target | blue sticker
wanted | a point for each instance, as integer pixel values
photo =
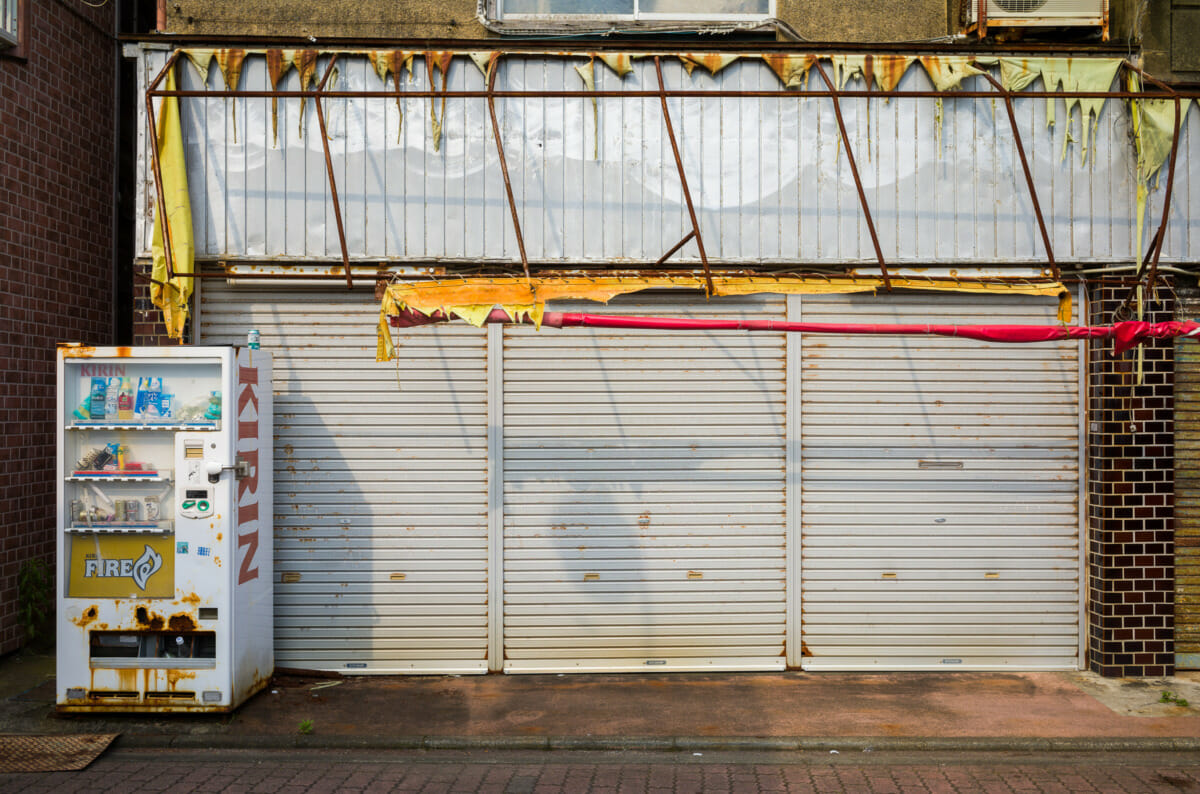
(181, 547)
(203, 551)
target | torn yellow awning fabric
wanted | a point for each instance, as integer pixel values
(172, 295)
(473, 299)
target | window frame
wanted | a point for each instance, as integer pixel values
(13, 44)
(498, 14)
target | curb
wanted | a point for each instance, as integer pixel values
(658, 744)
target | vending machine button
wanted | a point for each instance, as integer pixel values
(189, 504)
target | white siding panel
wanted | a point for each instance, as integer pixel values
(769, 176)
(643, 495)
(940, 483)
(381, 482)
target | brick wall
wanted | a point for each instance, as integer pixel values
(56, 257)
(1130, 499)
(148, 328)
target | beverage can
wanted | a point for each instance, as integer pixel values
(118, 510)
(151, 511)
(252, 339)
(133, 510)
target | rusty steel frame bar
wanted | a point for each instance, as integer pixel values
(1157, 241)
(676, 247)
(1019, 143)
(153, 92)
(576, 273)
(156, 165)
(687, 193)
(672, 93)
(862, 195)
(508, 191)
(333, 193)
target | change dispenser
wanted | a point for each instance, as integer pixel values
(164, 528)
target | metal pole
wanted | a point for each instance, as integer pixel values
(157, 167)
(676, 247)
(862, 196)
(1037, 207)
(337, 207)
(687, 194)
(512, 203)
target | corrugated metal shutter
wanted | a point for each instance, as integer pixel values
(1187, 497)
(644, 494)
(940, 487)
(380, 482)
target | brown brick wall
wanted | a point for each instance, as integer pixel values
(148, 328)
(1131, 499)
(56, 258)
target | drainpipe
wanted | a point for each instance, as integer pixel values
(115, 231)
(160, 18)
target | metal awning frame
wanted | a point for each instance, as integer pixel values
(1147, 272)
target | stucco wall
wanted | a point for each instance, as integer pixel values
(346, 19)
(817, 20)
(867, 20)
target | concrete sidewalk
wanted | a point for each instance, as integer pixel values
(742, 711)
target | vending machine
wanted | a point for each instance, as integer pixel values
(164, 528)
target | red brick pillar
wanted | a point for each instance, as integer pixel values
(1130, 570)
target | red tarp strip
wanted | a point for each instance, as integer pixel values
(1126, 334)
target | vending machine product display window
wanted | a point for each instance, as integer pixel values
(164, 537)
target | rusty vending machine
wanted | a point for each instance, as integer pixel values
(164, 530)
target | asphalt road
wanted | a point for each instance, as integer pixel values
(138, 770)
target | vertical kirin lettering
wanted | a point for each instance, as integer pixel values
(247, 487)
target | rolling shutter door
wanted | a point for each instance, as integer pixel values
(1187, 496)
(380, 482)
(940, 487)
(644, 494)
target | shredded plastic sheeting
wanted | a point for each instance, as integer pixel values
(202, 60)
(1069, 74)
(473, 299)
(792, 70)
(1153, 122)
(485, 60)
(394, 62)
(713, 62)
(172, 295)
(619, 62)
(947, 72)
(278, 64)
(587, 73)
(441, 62)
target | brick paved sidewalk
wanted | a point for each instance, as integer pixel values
(617, 773)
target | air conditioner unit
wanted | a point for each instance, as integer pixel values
(983, 14)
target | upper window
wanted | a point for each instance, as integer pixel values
(697, 11)
(9, 18)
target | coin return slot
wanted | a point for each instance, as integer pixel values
(208, 613)
(110, 648)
